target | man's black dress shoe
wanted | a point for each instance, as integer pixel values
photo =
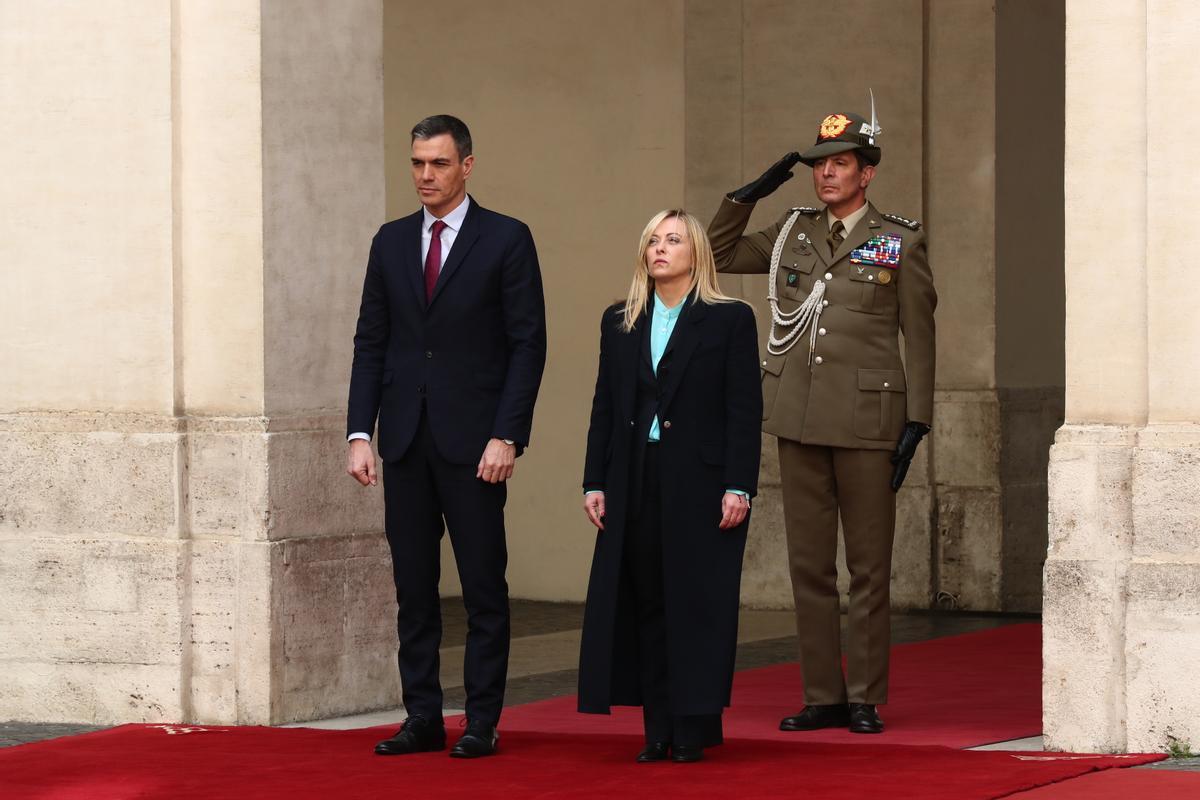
(687, 753)
(416, 735)
(816, 717)
(864, 718)
(654, 751)
(479, 740)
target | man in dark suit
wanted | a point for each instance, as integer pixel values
(448, 354)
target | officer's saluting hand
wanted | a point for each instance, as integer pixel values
(776, 175)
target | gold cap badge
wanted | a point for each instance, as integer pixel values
(834, 125)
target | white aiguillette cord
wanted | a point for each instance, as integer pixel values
(795, 322)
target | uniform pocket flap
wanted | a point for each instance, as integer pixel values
(773, 364)
(803, 260)
(881, 380)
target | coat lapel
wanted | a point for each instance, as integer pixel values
(463, 242)
(642, 328)
(636, 347)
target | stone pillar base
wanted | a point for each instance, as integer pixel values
(210, 570)
(1122, 587)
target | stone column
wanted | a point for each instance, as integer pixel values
(1122, 618)
(189, 205)
(960, 144)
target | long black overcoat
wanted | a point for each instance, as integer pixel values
(710, 408)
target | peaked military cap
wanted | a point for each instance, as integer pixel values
(839, 133)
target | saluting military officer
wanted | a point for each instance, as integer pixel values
(845, 281)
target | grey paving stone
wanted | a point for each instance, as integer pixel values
(1178, 764)
(14, 733)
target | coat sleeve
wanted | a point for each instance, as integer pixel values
(525, 329)
(733, 251)
(743, 404)
(370, 348)
(918, 299)
(600, 428)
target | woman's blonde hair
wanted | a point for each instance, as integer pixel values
(704, 269)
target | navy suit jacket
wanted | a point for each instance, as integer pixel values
(472, 357)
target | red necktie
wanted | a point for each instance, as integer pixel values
(433, 259)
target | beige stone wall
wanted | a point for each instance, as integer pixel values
(184, 224)
(582, 141)
(78, 161)
(1121, 632)
(684, 104)
(1029, 306)
(176, 537)
(89, 557)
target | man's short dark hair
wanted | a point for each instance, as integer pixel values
(861, 159)
(444, 123)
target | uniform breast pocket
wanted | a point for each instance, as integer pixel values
(793, 277)
(879, 408)
(877, 288)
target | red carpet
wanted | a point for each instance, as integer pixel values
(298, 764)
(1120, 784)
(958, 691)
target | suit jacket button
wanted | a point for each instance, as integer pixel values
(666, 423)
(818, 360)
(429, 354)
(828, 276)
(632, 423)
(421, 389)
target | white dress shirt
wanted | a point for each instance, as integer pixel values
(454, 222)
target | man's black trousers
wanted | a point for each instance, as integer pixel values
(422, 491)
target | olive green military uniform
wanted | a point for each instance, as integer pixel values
(837, 399)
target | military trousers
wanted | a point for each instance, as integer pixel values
(819, 483)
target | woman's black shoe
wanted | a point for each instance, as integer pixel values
(687, 753)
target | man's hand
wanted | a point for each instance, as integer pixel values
(734, 508)
(361, 462)
(776, 175)
(593, 506)
(906, 448)
(497, 462)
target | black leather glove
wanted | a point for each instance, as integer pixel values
(906, 448)
(776, 175)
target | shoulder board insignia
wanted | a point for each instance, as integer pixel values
(807, 210)
(908, 223)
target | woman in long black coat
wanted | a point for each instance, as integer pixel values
(672, 462)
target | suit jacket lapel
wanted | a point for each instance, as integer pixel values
(462, 245)
(411, 257)
(683, 342)
(863, 231)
